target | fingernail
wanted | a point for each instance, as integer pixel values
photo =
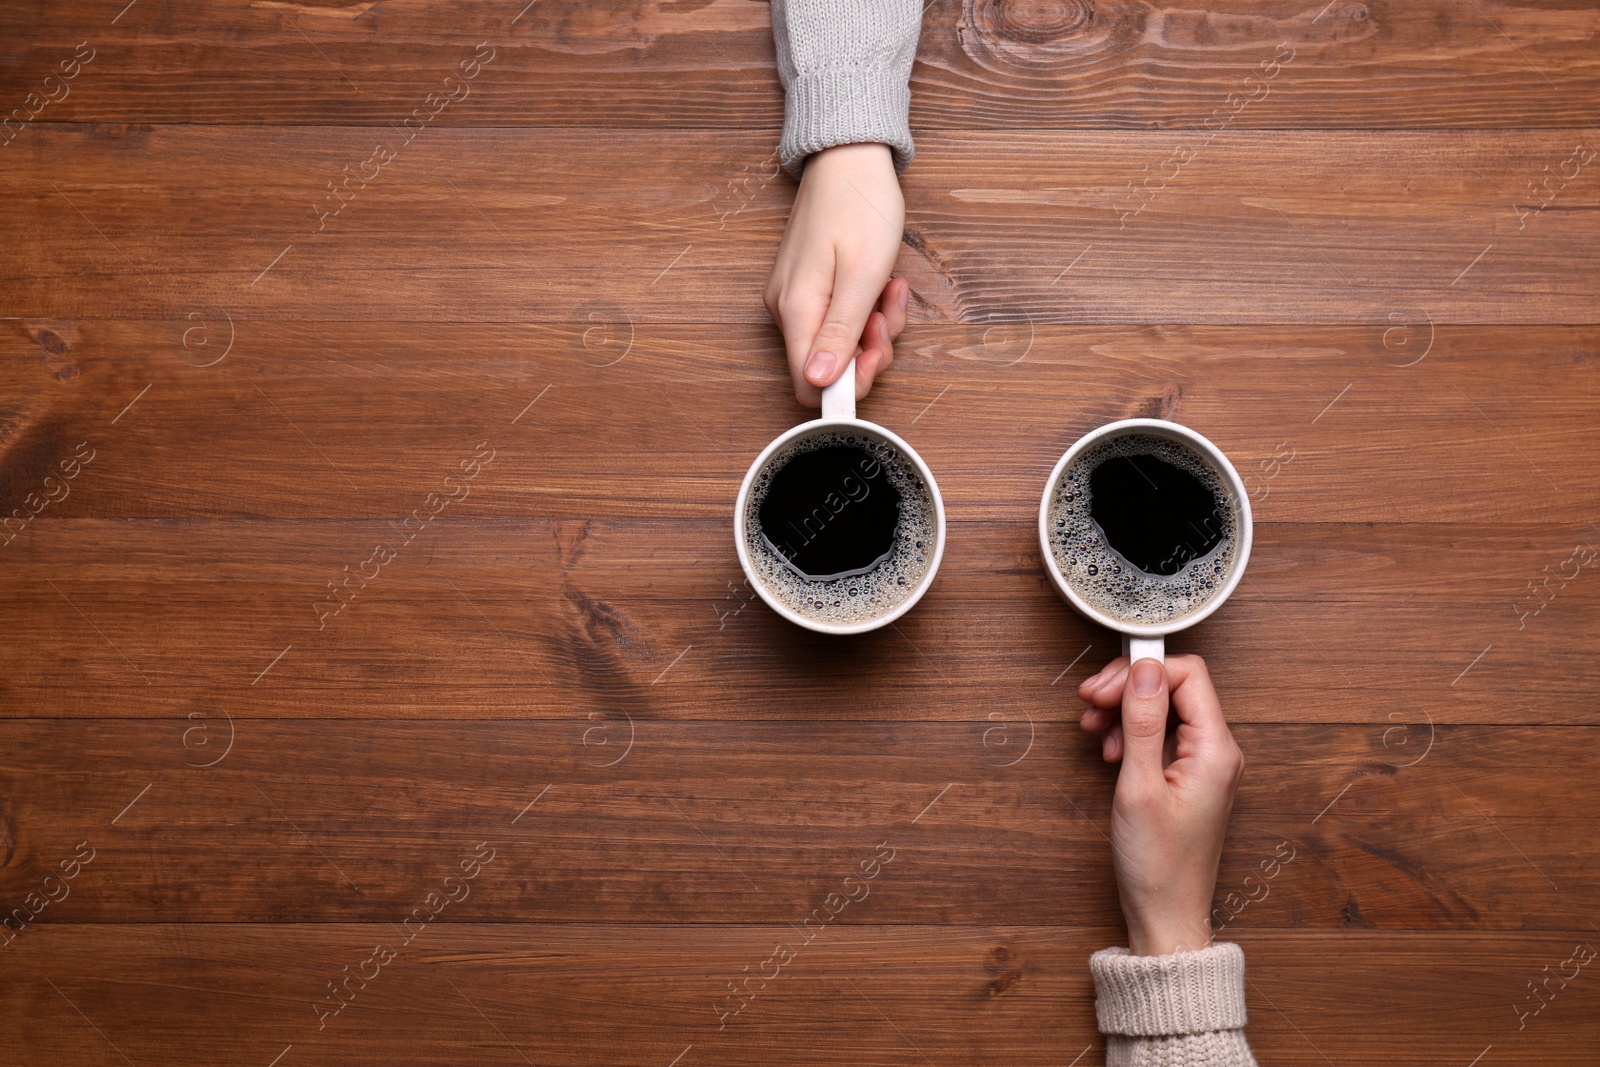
(1147, 678)
(821, 365)
(905, 297)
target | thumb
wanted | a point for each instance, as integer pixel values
(854, 296)
(1144, 720)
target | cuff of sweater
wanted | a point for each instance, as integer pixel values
(1180, 993)
(849, 106)
(1221, 1048)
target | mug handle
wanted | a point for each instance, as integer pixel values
(1138, 648)
(839, 399)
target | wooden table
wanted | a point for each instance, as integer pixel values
(379, 683)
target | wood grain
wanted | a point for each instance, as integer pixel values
(593, 550)
(516, 619)
(604, 818)
(982, 63)
(872, 994)
(395, 407)
(553, 225)
(1353, 244)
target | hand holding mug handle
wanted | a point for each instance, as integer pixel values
(1175, 789)
(839, 399)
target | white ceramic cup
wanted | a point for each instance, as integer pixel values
(1148, 640)
(838, 413)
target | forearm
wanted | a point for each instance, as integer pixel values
(846, 73)
(1165, 1011)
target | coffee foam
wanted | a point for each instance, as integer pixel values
(1101, 575)
(863, 597)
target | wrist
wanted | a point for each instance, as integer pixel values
(1162, 935)
(865, 155)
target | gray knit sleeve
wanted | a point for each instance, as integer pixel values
(846, 72)
(1181, 1010)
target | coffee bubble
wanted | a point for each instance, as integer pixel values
(1101, 575)
(855, 598)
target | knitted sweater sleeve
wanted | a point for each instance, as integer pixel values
(1181, 1010)
(846, 72)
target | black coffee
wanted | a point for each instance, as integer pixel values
(840, 527)
(831, 513)
(1143, 528)
(1158, 516)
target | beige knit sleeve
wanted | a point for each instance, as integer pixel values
(846, 72)
(1181, 1010)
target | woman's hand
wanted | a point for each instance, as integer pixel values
(831, 293)
(1174, 792)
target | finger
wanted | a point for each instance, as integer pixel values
(1091, 683)
(877, 336)
(854, 294)
(876, 355)
(894, 304)
(868, 364)
(801, 308)
(1099, 720)
(1202, 740)
(1108, 694)
(1193, 696)
(1144, 721)
(1111, 748)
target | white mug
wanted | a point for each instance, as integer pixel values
(838, 413)
(1148, 640)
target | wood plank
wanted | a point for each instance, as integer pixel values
(1390, 826)
(1430, 64)
(1313, 416)
(513, 994)
(495, 224)
(525, 618)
